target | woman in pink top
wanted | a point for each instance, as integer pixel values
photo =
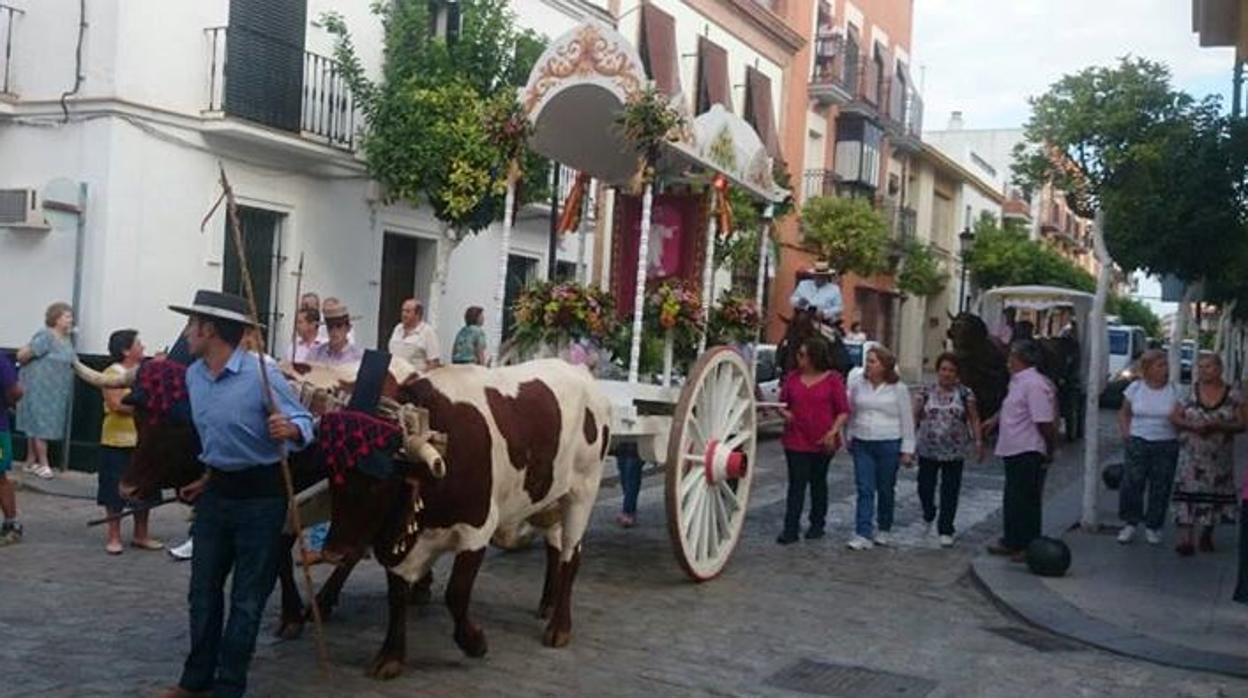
(814, 414)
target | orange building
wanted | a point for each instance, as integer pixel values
(851, 124)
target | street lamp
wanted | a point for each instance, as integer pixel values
(965, 238)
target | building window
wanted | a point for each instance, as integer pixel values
(858, 144)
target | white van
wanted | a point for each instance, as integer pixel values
(1126, 343)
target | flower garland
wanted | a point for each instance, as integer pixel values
(677, 306)
(736, 319)
(557, 314)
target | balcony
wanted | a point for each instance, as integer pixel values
(845, 78)
(902, 220)
(8, 16)
(904, 118)
(818, 183)
(279, 86)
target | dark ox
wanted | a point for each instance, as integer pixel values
(524, 443)
(981, 362)
(165, 457)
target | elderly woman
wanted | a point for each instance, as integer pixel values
(47, 376)
(881, 427)
(470, 341)
(1152, 449)
(1204, 490)
(948, 419)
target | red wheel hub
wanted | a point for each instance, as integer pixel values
(722, 463)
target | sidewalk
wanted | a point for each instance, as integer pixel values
(1138, 600)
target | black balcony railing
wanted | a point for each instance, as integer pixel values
(281, 86)
(902, 220)
(8, 15)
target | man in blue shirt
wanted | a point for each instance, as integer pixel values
(240, 506)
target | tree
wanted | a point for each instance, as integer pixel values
(1001, 257)
(1133, 312)
(848, 233)
(921, 273)
(439, 125)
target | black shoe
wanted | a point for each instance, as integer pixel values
(814, 533)
(786, 538)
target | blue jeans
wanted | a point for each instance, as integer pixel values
(238, 536)
(875, 477)
(1149, 464)
(629, 464)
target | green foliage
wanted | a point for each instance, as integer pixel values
(1134, 312)
(921, 273)
(847, 232)
(1007, 258)
(556, 314)
(649, 120)
(442, 124)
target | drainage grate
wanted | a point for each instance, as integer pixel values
(1039, 641)
(844, 681)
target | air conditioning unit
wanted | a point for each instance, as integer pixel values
(19, 210)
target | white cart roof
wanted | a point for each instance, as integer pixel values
(995, 300)
(582, 82)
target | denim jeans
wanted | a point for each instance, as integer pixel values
(950, 474)
(629, 464)
(875, 477)
(1022, 504)
(806, 469)
(1149, 464)
(238, 536)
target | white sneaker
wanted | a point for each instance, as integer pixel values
(929, 527)
(946, 541)
(1153, 536)
(43, 472)
(184, 551)
(883, 539)
(1127, 534)
(860, 543)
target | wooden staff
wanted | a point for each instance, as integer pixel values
(294, 321)
(236, 231)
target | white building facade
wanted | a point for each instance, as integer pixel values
(126, 166)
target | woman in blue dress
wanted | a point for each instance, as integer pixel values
(47, 376)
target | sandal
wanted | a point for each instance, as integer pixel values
(113, 548)
(626, 520)
(147, 544)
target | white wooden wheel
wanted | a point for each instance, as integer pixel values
(710, 462)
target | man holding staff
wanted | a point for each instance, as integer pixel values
(240, 504)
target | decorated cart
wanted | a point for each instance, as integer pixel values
(666, 210)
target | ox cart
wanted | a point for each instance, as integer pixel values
(699, 423)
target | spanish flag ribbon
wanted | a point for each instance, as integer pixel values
(570, 220)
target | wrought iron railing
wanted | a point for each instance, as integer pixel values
(327, 109)
(8, 15)
(818, 183)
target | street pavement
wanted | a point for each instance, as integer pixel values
(808, 619)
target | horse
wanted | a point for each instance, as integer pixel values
(981, 361)
(803, 325)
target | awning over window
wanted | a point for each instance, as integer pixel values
(759, 112)
(657, 45)
(713, 84)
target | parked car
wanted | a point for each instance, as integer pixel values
(1126, 344)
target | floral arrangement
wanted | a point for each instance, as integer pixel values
(735, 319)
(675, 305)
(557, 314)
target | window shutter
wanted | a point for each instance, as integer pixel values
(265, 61)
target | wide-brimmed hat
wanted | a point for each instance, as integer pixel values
(336, 311)
(821, 268)
(215, 304)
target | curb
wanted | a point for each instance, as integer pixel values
(1026, 597)
(63, 485)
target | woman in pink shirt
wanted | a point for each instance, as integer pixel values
(814, 414)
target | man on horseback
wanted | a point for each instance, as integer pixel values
(817, 292)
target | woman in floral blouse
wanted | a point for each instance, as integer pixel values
(948, 423)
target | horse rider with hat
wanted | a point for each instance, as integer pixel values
(819, 293)
(240, 506)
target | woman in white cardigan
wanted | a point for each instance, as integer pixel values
(882, 431)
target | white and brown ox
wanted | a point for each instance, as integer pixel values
(523, 444)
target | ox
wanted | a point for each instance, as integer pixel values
(165, 457)
(523, 444)
(981, 362)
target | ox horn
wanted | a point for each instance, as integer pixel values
(952, 317)
(99, 380)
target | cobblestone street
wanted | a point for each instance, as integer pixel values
(76, 622)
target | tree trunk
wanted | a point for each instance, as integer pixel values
(447, 243)
(1179, 330)
(504, 252)
(1096, 334)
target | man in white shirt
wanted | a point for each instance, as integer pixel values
(322, 335)
(414, 339)
(819, 292)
